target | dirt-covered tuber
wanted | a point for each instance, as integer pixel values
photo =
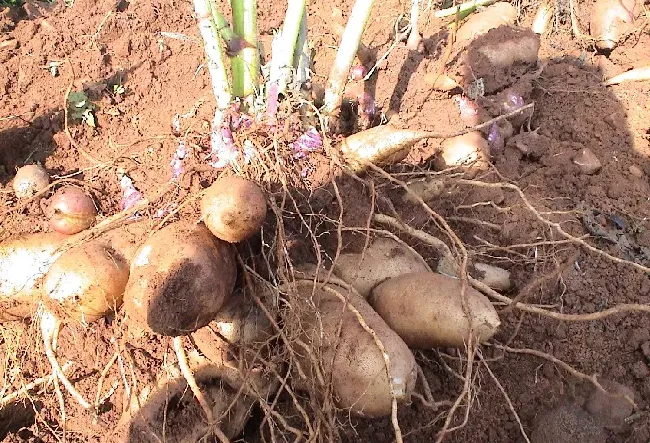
(426, 310)
(179, 279)
(233, 209)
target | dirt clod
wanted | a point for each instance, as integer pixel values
(568, 423)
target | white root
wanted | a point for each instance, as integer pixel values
(191, 381)
(633, 75)
(50, 327)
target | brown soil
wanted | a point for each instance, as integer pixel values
(110, 43)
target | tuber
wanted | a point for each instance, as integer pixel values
(426, 310)
(179, 279)
(233, 209)
(385, 258)
(350, 357)
(30, 180)
(71, 210)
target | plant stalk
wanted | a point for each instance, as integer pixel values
(246, 64)
(284, 47)
(216, 66)
(463, 7)
(301, 58)
(223, 27)
(345, 55)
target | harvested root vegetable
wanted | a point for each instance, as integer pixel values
(349, 355)
(610, 20)
(633, 75)
(71, 210)
(169, 412)
(385, 258)
(87, 282)
(426, 310)
(498, 14)
(24, 261)
(233, 209)
(381, 145)
(235, 341)
(179, 279)
(30, 180)
(440, 82)
(466, 149)
(126, 239)
(542, 18)
(493, 276)
(427, 189)
(496, 59)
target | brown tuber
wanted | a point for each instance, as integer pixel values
(233, 209)
(87, 282)
(350, 357)
(426, 310)
(610, 20)
(180, 278)
(385, 258)
(498, 14)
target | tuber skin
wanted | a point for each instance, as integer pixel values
(179, 280)
(385, 258)
(426, 310)
(610, 20)
(498, 14)
(30, 180)
(71, 210)
(233, 209)
(24, 261)
(87, 282)
(349, 355)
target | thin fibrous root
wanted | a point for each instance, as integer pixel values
(50, 327)
(556, 226)
(191, 381)
(9, 398)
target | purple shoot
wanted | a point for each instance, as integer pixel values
(495, 140)
(130, 195)
(177, 161)
(512, 102)
(468, 110)
(308, 142)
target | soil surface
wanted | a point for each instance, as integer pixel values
(142, 64)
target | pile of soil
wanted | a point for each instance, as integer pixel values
(153, 50)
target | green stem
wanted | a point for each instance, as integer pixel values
(216, 66)
(284, 47)
(246, 64)
(345, 55)
(301, 57)
(464, 7)
(226, 33)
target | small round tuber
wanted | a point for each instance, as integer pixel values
(233, 209)
(466, 149)
(71, 210)
(29, 180)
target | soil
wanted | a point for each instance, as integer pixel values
(109, 44)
